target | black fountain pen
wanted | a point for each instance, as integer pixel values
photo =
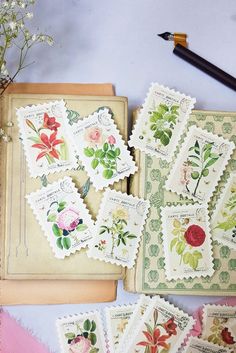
(183, 52)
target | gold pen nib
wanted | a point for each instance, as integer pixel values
(178, 38)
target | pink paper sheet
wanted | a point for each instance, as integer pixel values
(16, 339)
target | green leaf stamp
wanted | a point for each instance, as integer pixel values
(161, 121)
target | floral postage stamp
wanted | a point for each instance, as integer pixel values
(198, 345)
(186, 241)
(199, 164)
(224, 220)
(141, 307)
(117, 318)
(101, 149)
(119, 227)
(47, 146)
(63, 216)
(215, 321)
(161, 121)
(162, 328)
(82, 333)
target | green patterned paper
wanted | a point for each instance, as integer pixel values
(149, 275)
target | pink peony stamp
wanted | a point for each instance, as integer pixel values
(45, 139)
(186, 241)
(63, 216)
(82, 333)
(101, 149)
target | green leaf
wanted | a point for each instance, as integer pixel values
(214, 155)
(94, 350)
(193, 262)
(56, 230)
(59, 243)
(93, 338)
(186, 257)
(205, 172)
(52, 217)
(163, 108)
(105, 147)
(193, 164)
(94, 163)
(153, 127)
(66, 243)
(117, 151)
(197, 254)
(174, 109)
(206, 154)
(87, 325)
(180, 247)
(107, 173)
(195, 175)
(61, 206)
(111, 154)
(131, 236)
(70, 335)
(64, 151)
(194, 156)
(158, 134)
(155, 116)
(210, 162)
(229, 224)
(173, 243)
(123, 241)
(208, 146)
(149, 328)
(93, 326)
(35, 139)
(165, 139)
(89, 152)
(98, 153)
(81, 227)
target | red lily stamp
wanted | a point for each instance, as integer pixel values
(63, 217)
(45, 139)
(198, 345)
(101, 149)
(216, 319)
(82, 333)
(186, 241)
(119, 227)
(162, 329)
(199, 165)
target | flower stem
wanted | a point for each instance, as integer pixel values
(196, 187)
(49, 159)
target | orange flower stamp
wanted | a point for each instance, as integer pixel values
(45, 139)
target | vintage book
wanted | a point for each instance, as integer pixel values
(148, 275)
(27, 261)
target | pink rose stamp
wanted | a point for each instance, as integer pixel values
(82, 333)
(63, 217)
(186, 241)
(101, 149)
(47, 145)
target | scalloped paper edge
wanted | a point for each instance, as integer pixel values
(113, 308)
(166, 250)
(121, 143)
(41, 223)
(143, 301)
(67, 319)
(22, 134)
(216, 348)
(219, 204)
(162, 301)
(216, 307)
(132, 143)
(99, 216)
(183, 146)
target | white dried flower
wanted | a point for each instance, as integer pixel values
(13, 4)
(50, 41)
(29, 15)
(34, 37)
(12, 25)
(5, 4)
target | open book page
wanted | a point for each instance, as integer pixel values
(148, 275)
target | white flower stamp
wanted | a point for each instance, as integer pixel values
(197, 345)
(63, 217)
(81, 333)
(47, 146)
(101, 149)
(199, 165)
(162, 328)
(216, 319)
(117, 318)
(186, 241)
(119, 227)
(161, 121)
(224, 220)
